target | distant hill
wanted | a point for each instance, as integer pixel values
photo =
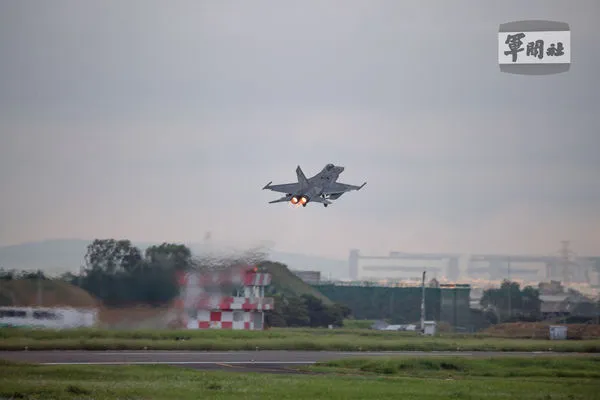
(67, 255)
(54, 293)
(52, 256)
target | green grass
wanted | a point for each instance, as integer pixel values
(468, 379)
(358, 323)
(274, 339)
(443, 367)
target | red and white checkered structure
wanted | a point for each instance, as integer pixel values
(202, 303)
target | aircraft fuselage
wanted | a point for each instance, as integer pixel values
(320, 188)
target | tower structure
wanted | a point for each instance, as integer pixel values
(207, 300)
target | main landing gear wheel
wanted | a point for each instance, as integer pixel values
(325, 205)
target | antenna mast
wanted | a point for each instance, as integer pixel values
(423, 303)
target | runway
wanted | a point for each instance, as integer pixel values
(246, 361)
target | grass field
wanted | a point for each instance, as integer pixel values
(274, 339)
(584, 367)
(564, 379)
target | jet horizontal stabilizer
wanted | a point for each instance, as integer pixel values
(281, 200)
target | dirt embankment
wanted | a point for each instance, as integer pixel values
(55, 293)
(137, 317)
(44, 293)
(541, 330)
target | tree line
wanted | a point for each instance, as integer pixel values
(119, 274)
(511, 303)
(305, 311)
(13, 274)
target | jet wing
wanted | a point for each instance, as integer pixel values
(284, 188)
(341, 188)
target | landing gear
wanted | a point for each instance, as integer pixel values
(325, 205)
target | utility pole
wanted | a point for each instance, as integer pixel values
(423, 304)
(39, 288)
(509, 291)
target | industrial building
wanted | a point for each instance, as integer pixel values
(556, 301)
(310, 277)
(48, 317)
(564, 266)
(402, 266)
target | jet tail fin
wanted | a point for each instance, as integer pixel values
(301, 177)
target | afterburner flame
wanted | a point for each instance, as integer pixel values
(303, 200)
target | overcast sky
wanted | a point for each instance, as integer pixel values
(160, 121)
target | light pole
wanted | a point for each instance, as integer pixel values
(423, 304)
(509, 292)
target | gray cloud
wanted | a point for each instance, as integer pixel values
(159, 123)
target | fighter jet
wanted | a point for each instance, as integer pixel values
(320, 188)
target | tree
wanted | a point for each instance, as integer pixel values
(337, 313)
(112, 256)
(39, 274)
(175, 256)
(510, 302)
(108, 271)
(305, 310)
(343, 309)
(14, 274)
(7, 275)
(295, 312)
(316, 310)
(530, 302)
(321, 315)
(116, 272)
(276, 317)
